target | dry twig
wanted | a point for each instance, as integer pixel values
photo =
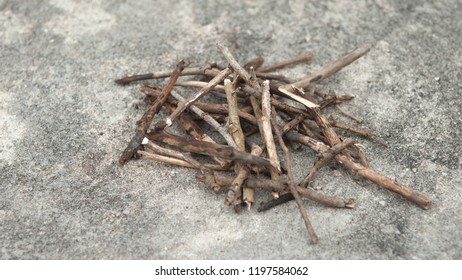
(256, 102)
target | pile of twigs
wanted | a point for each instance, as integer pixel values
(271, 105)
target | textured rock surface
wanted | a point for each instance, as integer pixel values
(64, 123)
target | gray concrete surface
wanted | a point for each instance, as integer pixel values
(64, 123)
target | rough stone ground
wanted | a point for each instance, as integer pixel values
(64, 123)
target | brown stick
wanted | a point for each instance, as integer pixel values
(294, 122)
(264, 126)
(348, 115)
(267, 135)
(385, 182)
(327, 200)
(324, 125)
(206, 117)
(234, 191)
(326, 157)
(179, 162)
(322, 74)
(268, 76)
(237, 67)
(206, 148)
(186, 123)
(361, 131)
(365, 172)
(206, 70)
(170, 153)
(234, 127)
(217, 180)
(332, 68)
(306, 57)
(206, 107)
(255, 63)
(198, 84)
(362, 156)
(185, 104)
(238, 136)
(145, 121)
(226, 180)
(291, 183)
(290, 93)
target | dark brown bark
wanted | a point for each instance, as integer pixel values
(145, 122)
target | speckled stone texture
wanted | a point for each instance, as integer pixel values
(64, 122)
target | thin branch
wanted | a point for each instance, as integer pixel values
(290, 93)
(233, 117)
(145, 122)
(291, 183)
(326, 157)
(206, 117)
(327, 200)
(186, 103)
(348, 115)
(206, 148)
(180, 162)
(361, 131)
(267, 135)
(332, 68)
(170, 153)
(324, 125)
(234, 191)
(294, 122)
(235, 129)
(306, 57)
(277, 77)
(237, 67)
(199, 84)
(365, 172)
(206, 107)
(207, 70)
(217, 180)
(225, 180)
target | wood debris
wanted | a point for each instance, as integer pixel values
(261, 113)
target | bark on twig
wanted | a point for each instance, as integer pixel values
(225, 180)
(294, 122)
(291, 183)
(256, 101)
(234, 192)
(170, 153)
(361, 131)
(327, 200)
(267, 134)
(331, 68)
(348, 115)
(186, 103)
(145, 121)
(306, 57)
(206, 117)
(206, 148)
(365, 172)
(207, 70)
(326, 157)
(180, 162)
(221, 180)
(237, 67)
(234, 127)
